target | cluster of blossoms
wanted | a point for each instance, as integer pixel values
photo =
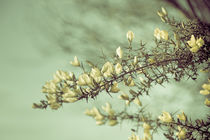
(206, 91)
(167, 118)
(103, 118)
(195, 44)
(128, 100)
(146, 136)
(160, 34)
(137, 69)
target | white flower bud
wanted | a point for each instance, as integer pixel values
(119, 52)
(130, 36)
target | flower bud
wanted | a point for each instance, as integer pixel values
(130, 36)
(164, 11)
(76, 62)
(119, 52)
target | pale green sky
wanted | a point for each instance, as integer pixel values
(35, 42)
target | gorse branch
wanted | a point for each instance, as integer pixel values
(174, 57)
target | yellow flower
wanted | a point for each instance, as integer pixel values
(108, 109)
(160, 34)
(151, 61)
(206, 86)
(113, 122)
(207, 102)
(195, 44)
(192, 41)
(118, 68)
(182, 116)
(124, 96)
(194, 49)
(130, 36)
(96, 74)
(84, 80)
(75, 62)
(146, 126)
(137, 101)
(200, 42)
(157, 33)
(181, 134)
(134, 137)
(50, 87)
(69, 96)
(89, 112)
(164, 34)
(97, 115)
(114, 88)
(61, 75)
(130, 82)
(52, 100)
(165, 117)
(100, 122)
(119, 52)
(107, 69)
(204, 92)
(127, 102)
(55, 105)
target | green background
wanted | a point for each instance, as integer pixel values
(38, 37)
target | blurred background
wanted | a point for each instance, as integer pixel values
(38, 37)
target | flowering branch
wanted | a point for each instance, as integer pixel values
(139, 69)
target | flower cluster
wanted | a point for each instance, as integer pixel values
(160, 34)
(138, 69)
(128, 100)
(195, 44)
(103, 118)
(206, 91)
